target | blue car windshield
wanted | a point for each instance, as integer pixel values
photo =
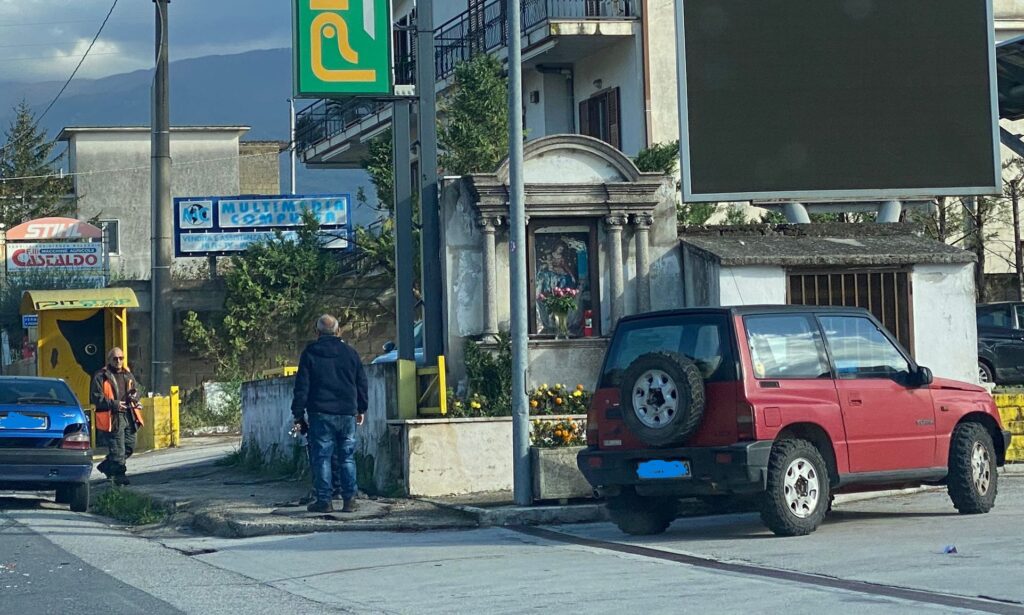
(36, 392)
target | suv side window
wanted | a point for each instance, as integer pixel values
(860, 350)
(995, 317)
(785, 346)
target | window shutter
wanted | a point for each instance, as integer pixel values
(614, 125)
(585, 117)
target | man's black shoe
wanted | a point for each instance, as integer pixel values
(121, 480)
(104, 468)
(350, 505)
(320, 507)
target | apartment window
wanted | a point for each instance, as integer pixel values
(600, 117)
(885, 293)
(563, 254)
(111, 235)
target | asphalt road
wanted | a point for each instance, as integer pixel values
(875, 556)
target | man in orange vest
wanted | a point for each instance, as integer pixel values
(114, 393)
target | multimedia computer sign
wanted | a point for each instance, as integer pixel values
(837, 99)
(221, 225)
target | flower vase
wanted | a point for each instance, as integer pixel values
(561, 324)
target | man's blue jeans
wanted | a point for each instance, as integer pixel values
(327, 431)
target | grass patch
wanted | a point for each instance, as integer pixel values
(128, 506)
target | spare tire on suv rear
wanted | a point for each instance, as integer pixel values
(662, 398)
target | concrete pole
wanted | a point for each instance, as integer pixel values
(889, 212)
(521, 479)
(292, 146)
(796, 213)
(405, 301)
(430, 213)
(162, 247)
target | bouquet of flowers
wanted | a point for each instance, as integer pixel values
(560, 300)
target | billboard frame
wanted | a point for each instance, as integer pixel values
(216, 229)
(688, 196)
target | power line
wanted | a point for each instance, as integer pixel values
(73, 73)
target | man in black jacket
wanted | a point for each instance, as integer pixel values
(330, 388)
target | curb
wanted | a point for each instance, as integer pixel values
(502, 516)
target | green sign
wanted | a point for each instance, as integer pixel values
(341, 47)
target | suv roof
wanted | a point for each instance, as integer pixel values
(744, 310)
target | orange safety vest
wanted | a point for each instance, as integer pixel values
(104, 418)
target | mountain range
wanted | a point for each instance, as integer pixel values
(249, 89)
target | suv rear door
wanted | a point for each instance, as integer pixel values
(889, 424)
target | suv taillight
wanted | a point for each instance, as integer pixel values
(78, 440)
(745, 421)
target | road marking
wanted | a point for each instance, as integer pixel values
(873, 589)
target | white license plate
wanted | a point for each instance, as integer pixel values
(17, 420)
(660, 469)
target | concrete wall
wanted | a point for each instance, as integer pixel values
(661, 36)
(752, 286)
(259, 167)
(205, 163)
(945, 332)
(266, 419)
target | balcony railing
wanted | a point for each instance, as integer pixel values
(457, 40)
(486, 30)
(326, 118)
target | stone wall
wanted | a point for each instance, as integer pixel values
(259, 167)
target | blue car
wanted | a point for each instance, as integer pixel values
(391, 351)
(44, 440)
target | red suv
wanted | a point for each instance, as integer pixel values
(787, 404)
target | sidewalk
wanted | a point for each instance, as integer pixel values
(217, 500)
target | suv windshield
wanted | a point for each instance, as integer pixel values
(36, 392)
(702, 338)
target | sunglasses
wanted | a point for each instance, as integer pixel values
(117, 358)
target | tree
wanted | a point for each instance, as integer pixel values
(473, 137)
(29, 189)
(664, 158)
(274, 291)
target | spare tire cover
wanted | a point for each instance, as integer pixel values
(662, 398)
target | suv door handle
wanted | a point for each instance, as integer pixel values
(854, 399)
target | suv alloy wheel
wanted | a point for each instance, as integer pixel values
(972, 481)
(798, 491)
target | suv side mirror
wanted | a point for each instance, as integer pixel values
(389, 346)
(922, 376)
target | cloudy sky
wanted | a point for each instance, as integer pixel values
(42, 40)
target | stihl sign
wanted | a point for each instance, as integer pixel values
(54, 228)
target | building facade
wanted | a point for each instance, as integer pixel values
(111, 171)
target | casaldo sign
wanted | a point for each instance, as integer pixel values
(54, 228)
(23, 258)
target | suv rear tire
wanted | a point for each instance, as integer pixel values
(640, 516)
(662, 398)
(798, 491)
(973, 479)
(79, 497)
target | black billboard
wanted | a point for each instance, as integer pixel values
(830, 99)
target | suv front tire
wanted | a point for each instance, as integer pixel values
(973, 477)
(797, 495)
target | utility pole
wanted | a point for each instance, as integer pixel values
(292, 147)
(161, 310)
(521, 481)
(404, 301)
(430, 214)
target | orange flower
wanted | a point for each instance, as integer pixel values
(558, 401)
(533, 403)
(579, 387)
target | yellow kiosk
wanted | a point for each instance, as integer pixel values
(76, 329)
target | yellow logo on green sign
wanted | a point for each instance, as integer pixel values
(342, 47)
